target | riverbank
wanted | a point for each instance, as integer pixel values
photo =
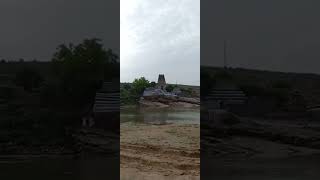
(169, 151)
(253, 138)
(252, 148)
(77, 141)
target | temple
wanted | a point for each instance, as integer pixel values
(161, 82)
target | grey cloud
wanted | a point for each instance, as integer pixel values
(34, 28)
(166, 40)
(273, 35)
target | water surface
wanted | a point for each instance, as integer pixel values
(161, 116)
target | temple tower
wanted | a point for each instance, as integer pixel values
(161, 82)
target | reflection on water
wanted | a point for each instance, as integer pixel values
(160, 116)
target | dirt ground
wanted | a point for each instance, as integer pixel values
(160, 152)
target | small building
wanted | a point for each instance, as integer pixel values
(151, 91)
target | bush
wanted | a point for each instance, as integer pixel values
(170, 87)
(131, 94)
(153, 84)
(81, 69)
(139, 85)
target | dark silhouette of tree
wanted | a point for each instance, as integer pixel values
(82, 68)
(139, 85)
(126, 87)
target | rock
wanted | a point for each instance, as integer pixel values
(184, 104)
(189, 100)
(169, 101)
(147, 103)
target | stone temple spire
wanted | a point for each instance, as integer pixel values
(161, 82)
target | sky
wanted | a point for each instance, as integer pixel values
(34, 28)
(160, 37)
(270, 35)
(163, 37)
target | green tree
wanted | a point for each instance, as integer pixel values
(139, 85)
(153, 84)
(126, 87)
(131, 94)
(81, 69)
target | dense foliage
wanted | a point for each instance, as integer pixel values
(130, 94)
(81, 69)
(65, 90)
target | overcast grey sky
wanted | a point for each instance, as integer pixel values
(281, 35)
(34, 28)
(160, 37)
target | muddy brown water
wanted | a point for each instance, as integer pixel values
(161, 116)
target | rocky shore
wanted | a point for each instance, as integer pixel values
(79, 140)
(169, 101)
(252, 138)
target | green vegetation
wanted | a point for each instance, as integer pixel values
(274, 86)
(170, 87)
(80, 71)
(50, 97)
(130, 94)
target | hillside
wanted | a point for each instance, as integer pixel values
(307, 84)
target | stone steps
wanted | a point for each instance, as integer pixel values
(107, 99)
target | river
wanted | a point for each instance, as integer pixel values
(161, 116)
(90, 166)
(96, 167)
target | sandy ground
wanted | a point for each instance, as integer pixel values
(160, 152)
